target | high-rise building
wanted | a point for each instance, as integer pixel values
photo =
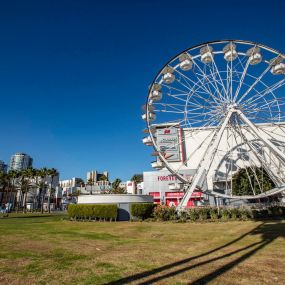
(3, 166)
(20, 161)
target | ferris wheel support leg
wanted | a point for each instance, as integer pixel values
(205, 164)
(262, 136)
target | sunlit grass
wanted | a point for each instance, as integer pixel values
(53, 250)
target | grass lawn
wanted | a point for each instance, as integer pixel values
(52, 250)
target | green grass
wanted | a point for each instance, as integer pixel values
(50, 249)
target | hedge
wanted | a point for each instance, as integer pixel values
(165, 213)
(142, 210)
(93, 212)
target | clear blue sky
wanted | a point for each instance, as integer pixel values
(74, 74)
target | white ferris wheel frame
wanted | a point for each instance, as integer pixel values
(207, 159)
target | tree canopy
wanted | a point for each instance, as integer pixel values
(251, 179)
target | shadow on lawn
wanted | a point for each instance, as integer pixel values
(269, 231)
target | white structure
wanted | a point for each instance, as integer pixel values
(228, 113)
(123, 202)
(131, 187)
(70, 186)
(94, 176)
(114, 199)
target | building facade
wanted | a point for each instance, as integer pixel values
(20, 161)
(186, 148)
(94, 176)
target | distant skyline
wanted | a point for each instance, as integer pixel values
(74, 74)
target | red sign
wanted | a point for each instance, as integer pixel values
(154, 194)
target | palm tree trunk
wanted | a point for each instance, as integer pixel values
(25, 202)
(49, 201)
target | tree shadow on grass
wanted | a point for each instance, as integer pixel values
(269, 231)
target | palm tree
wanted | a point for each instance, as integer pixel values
(13, 176)
(103, 177)
(52, 172)
(27, 177)
(137, 178)
(42, 174)
(116, 183)
(4, 186)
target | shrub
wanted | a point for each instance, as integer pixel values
(213, 213)
(202, 213)
(245, 214)
(93, 211)
(142, 210)
(164, 213)
(183, 216)
(172, 213)
(275, 211)
(259, 213)
(193, 214)
(225, 214)
(234, 213)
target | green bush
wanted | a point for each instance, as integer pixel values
(142, 210)
(213, 211)
(92, 211)
(164, 213)
(183, 216)
(193, 214)
(245, 214)
(234, 213)
(225, 214)
(203, 213)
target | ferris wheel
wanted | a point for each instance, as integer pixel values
(223, 104)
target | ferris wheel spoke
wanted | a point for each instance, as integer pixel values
(219, 76)
(275, 104)
(241, 81)
(199, 85)
(254, 84)
(267, 90)
(173, 107)
(205, 77)
(216, 82)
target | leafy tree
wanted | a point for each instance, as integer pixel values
(248, 179)
(80, 181)
(137, 178)
(103, 177)
(90, 182)
(116, 183)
